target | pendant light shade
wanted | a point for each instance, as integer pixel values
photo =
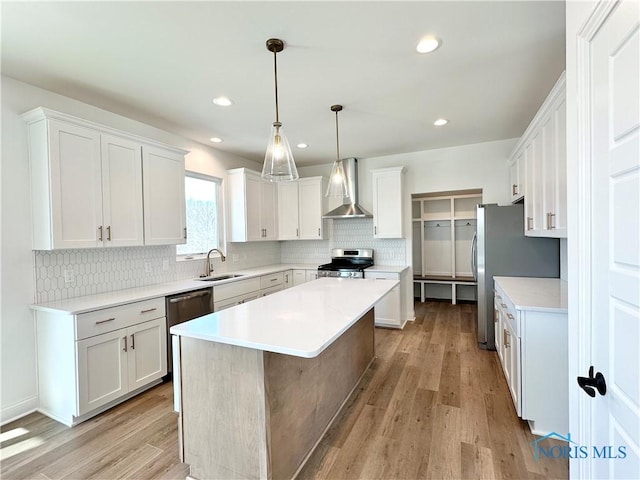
(278, 160)
(338, 186)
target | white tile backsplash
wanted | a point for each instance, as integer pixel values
(102, 270)
(345, 233)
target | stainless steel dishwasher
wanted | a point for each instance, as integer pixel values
(183, 307)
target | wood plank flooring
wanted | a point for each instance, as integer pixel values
(431, 406)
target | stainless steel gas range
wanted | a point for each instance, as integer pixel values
(347, 263)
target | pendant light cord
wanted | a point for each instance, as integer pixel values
(337, 139)
(275, 74)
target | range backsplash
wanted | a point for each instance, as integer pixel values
(101, 270)
(345, 233)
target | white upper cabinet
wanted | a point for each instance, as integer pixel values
(121, 192)
(252, 207)
(542, 148)
(388, 193)
(288, 211)
(87, 184)
(300, 207)
(517, 174)
(164, 201)
(268, 210)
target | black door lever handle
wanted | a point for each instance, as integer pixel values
(588, 383)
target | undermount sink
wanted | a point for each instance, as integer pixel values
(218, 278)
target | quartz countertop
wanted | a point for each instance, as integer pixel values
(301, 321)
(99, 301)
(539, 294)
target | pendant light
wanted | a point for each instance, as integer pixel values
(278, 161)
(338, 186)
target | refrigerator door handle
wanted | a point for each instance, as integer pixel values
(474, 251)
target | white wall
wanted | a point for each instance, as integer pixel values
(18, 391)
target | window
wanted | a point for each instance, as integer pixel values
(202, 194)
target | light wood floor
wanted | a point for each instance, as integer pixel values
(432, 406)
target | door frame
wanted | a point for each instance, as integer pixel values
(579, 266)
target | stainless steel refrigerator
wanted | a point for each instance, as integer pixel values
(501, 249)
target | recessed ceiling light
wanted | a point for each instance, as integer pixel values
(222, 101)
(428, 44)
(302, 145)
(216, 139)
(440, 122)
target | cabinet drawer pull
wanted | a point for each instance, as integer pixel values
(318, 232)
(495, 316)
(510, 316)
(498, 297)
(133, 341)
(109, 233)
(99, 322)
(148, 310)
(100, 233)
(503, 305)
(507, 338)
(529, 223)
(273, 280)
(297, 234)
(185, 233)
(514, 189)
(125, 343)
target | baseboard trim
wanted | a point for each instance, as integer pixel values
(18, 410)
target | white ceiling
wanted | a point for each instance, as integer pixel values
(163, 62)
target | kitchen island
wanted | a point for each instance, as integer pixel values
(261, 382)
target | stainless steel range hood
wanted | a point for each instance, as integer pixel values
(350, 207)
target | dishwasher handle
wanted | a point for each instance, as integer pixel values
(191, 296)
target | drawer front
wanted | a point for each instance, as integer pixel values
(510, 314)
(268, 281)
(109, 319)
(382, 275)
(234, 289)
(233, 301)
(268, 291)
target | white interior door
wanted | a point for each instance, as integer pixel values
(609, 127)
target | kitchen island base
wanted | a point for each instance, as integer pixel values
(249, 413)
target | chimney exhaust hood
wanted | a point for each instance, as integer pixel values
(350, 207)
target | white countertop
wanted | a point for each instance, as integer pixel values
(99, 301)
(301, 321)
(540, 294)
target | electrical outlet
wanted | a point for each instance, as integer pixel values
(68, 276)
(165, 265)
(147, 267)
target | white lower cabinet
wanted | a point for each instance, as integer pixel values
(90, 361)
(311, 275)
(115, 363)
(389, 312)
(299, 277)
(532, 348)
(288, 279)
